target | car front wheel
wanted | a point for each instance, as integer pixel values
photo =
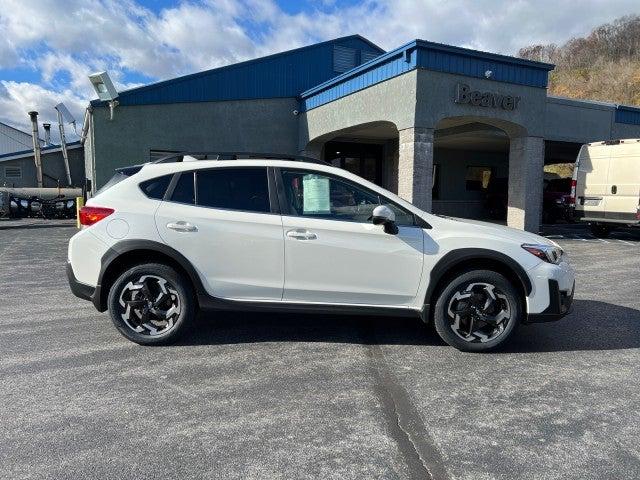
(151, 304)
(477, 311)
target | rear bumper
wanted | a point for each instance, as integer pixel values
(83, 291)
(559, 304)
(629, 219)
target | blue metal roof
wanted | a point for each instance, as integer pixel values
(431, 56)
(284, 74)
(627, 114)
(43, 150)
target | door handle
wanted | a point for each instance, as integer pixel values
(614, 189)
(301, 235)
(181, 226)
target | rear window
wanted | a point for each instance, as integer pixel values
(120, 175)
(156, 187)
(117, 178)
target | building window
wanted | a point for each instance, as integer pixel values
(477, 178)
(344, 58)
(13, 172)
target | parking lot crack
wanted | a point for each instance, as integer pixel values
(406, 426)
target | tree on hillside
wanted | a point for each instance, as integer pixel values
(604, 65)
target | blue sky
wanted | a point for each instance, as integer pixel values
(48, 47)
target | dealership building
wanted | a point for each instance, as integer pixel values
(436, 124)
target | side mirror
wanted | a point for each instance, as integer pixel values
(383, 215)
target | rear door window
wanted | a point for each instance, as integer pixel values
(183, 192)
(243, 188)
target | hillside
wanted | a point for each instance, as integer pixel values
(604, 65)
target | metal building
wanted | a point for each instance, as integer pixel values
(14, 140)
(17, 169)
(432, 122)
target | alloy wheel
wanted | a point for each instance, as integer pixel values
(478, 312)
(150, 305)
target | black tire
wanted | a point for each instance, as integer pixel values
(136, 316)
(599, 230)
(549, 217)
(501, 317)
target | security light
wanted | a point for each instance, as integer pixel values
(103, 86)
(105, 90)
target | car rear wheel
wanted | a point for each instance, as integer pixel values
(477, 311)
(151, 304)
(599, 230)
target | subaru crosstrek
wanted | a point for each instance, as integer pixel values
(225, 232)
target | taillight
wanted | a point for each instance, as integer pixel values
(91, 215)
(572, 197)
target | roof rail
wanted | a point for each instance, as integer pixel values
(179, 157)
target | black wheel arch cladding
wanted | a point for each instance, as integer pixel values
(135, 249)
(475, 258)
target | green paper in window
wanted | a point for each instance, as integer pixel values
(316, 195)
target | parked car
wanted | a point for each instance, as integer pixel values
(293, 234)
(556, 200)
(556, 204)
(606, 185)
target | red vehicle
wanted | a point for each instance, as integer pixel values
(555, 204)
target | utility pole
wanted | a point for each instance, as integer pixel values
(36, 146)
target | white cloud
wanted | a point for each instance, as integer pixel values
(18, 98)
(65, 40)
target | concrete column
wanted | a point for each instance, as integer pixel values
(526, 167)
(415, 166)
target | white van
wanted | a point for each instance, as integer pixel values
(606, 185)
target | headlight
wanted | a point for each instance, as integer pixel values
(547, 253)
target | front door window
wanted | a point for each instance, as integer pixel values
(317, 195)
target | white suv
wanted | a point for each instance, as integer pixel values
(197, 231)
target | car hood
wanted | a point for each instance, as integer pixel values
(499, 231)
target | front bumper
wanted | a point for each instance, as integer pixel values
(559, 304)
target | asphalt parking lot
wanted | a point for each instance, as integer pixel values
(286, 396)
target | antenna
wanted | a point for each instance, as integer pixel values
(65, 114)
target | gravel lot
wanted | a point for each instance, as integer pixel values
(287, 396)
